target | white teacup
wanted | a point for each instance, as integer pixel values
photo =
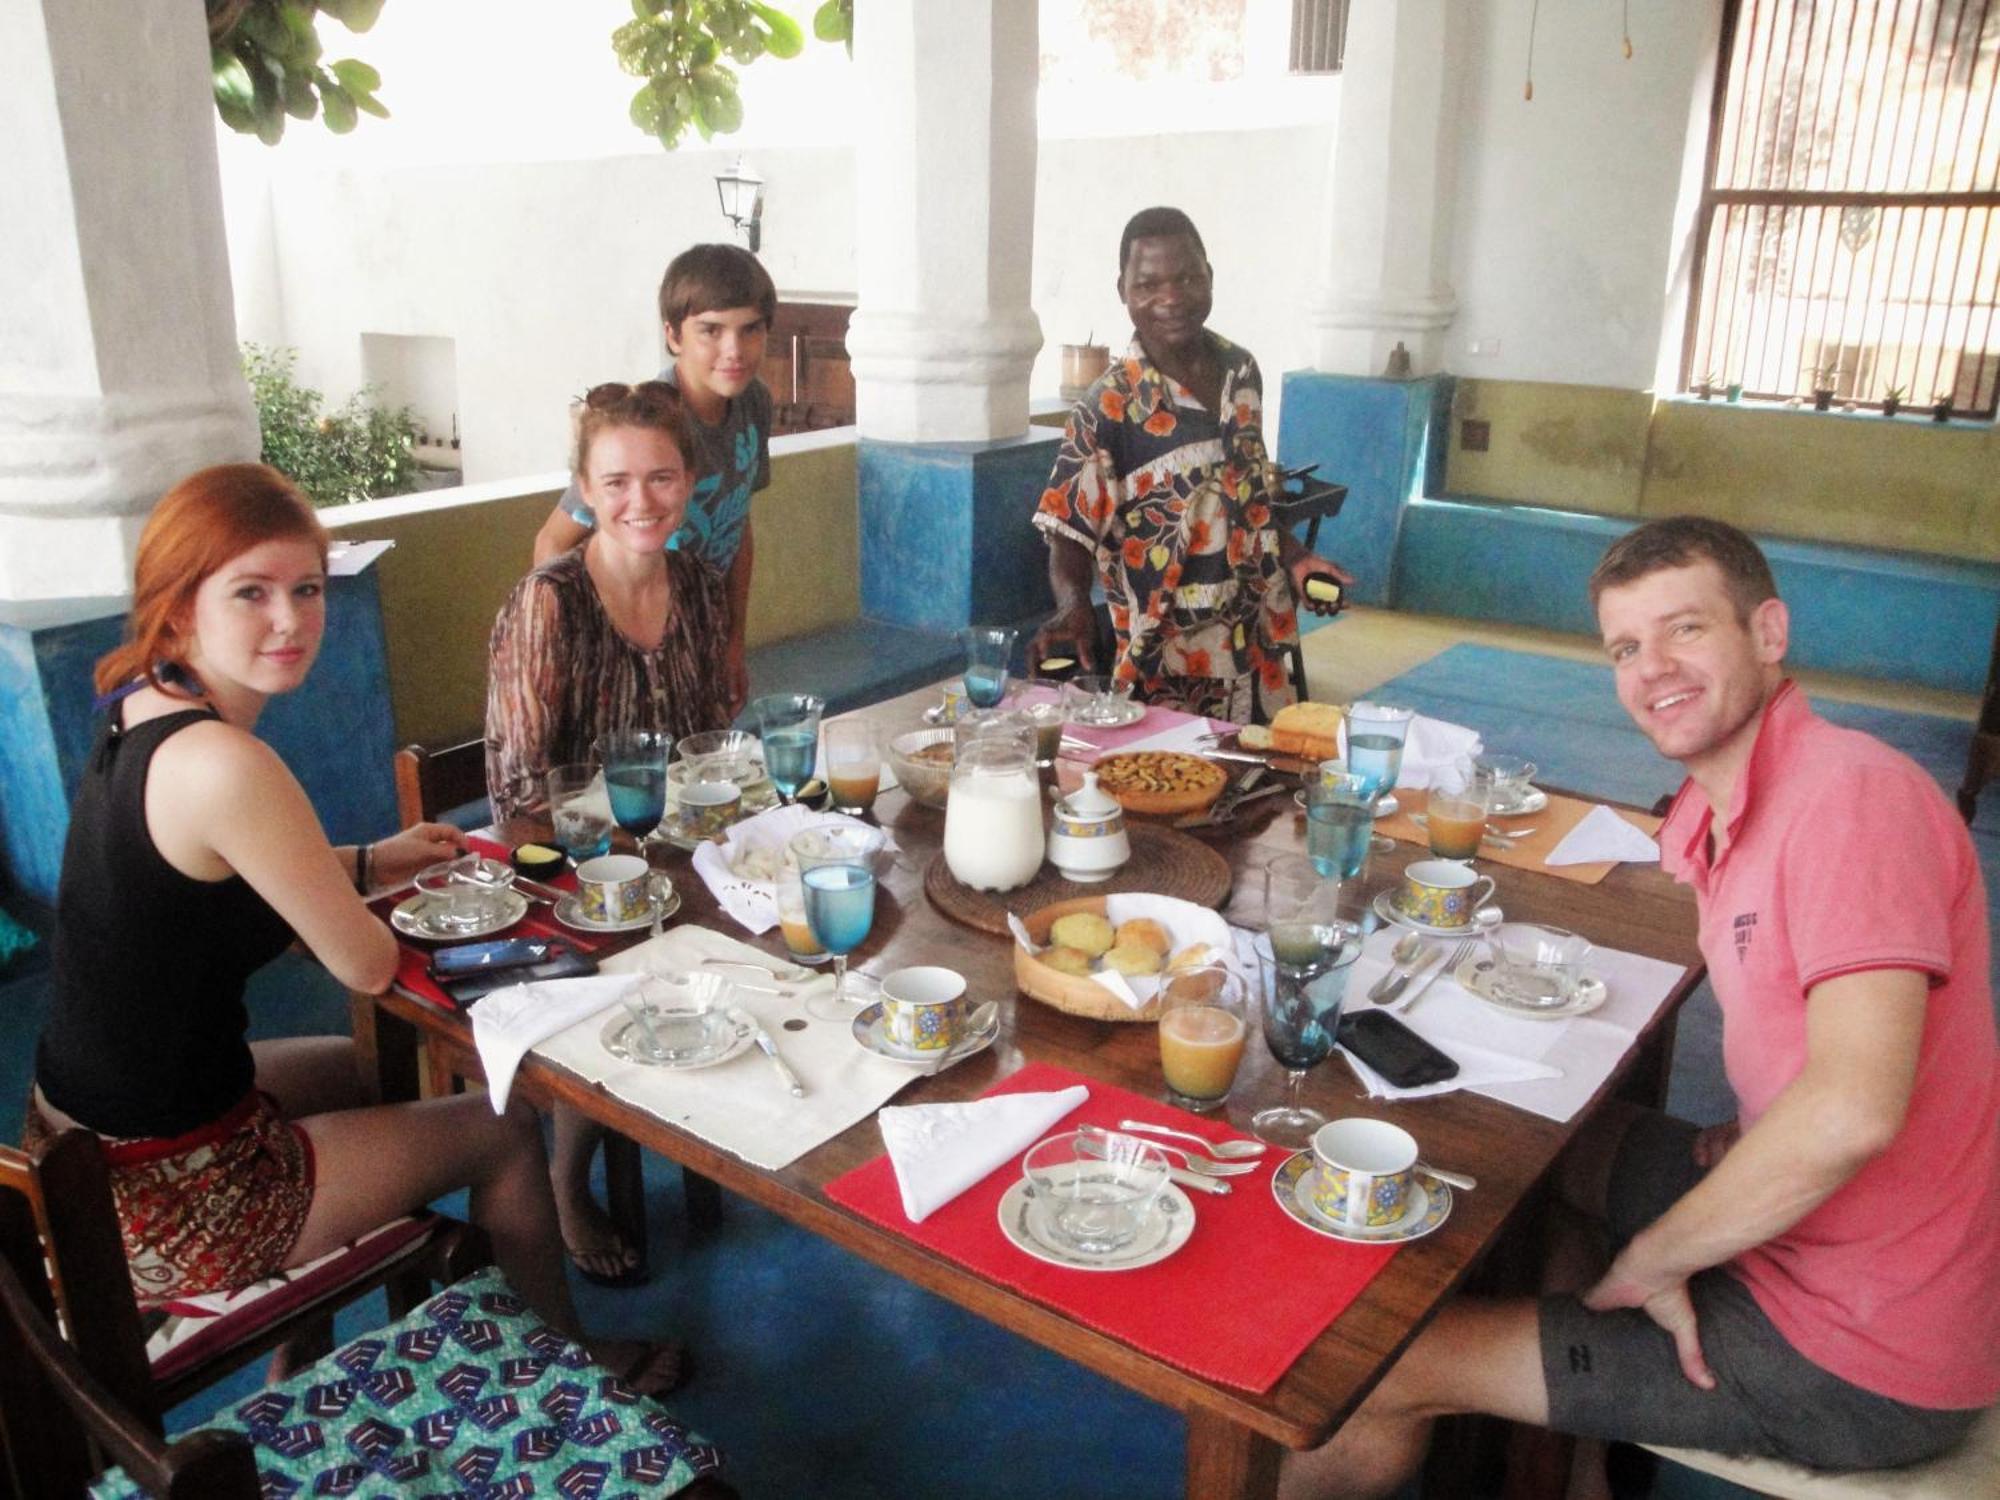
(923, 1008)
(613, 888)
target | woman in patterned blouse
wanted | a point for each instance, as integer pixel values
(618, 633)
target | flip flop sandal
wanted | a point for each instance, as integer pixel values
(633, 1275)
(649, 1358)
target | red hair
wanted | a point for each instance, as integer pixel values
(199, 525)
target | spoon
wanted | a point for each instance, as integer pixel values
(1450, 1179)
(975, 1036)
(1406, 952)
(1196, 1163)
(1227, 1150)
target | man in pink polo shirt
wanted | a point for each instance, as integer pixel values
(1819, 1279)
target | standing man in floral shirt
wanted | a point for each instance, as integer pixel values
(1164, 484)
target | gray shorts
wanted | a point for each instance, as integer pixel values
(1615, 1375)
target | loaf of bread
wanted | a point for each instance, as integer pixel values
(1308, 730)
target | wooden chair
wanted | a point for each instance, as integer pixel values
(71, 1406)
(432, 781)
(1971, 1471)
(1982, 761)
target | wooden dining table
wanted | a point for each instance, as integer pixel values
(1235, 1438)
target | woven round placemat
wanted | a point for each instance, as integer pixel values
(1164, 861)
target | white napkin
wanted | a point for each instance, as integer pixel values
(940, 1150)
(1430, 745)
(1186, 924)
(754, 903)
(506, 1023)
(1477, 1069)
(1604, 835)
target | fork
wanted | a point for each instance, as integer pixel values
(1450, 965)
(1201, 1166)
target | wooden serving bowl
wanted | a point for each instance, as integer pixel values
(1071, 993)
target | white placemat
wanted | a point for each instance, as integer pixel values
(1584, 1048)
(742, 1105)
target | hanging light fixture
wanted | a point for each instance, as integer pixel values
(742, 197)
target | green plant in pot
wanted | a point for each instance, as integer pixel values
(1941, 406)
(1892, 399)
(1705, 385)
(1824, 380)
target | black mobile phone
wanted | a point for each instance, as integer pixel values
(1393, 1050)
(563, 962)
(485, 958)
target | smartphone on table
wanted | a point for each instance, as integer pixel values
(1402, 1057)
(468, 971)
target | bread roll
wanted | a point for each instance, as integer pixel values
(1133, 959)
(1143, 932)
(1066, 960)
(1084, 931)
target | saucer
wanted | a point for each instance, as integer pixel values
(1476, 974)
(1428, 1206)
(411, 917)
(1534, 802)
(1165, 1230)
(871, 1033)
(569, 912)
(1389, 909)
(727, 1037)
(1115, 717)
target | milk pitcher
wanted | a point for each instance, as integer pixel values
(993, 816)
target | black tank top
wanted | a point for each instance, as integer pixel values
(146, 1035)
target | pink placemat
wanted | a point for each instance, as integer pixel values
(1237, 1304)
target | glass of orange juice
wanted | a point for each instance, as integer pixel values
(853, 764)
(1457, 812)
(792, 923)
(1202, 1030)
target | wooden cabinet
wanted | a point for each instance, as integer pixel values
(805, 365)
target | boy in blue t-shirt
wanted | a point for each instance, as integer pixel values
(716, 305)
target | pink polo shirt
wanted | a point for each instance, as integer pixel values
(1844, 856)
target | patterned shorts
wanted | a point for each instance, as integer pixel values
(209, 1211)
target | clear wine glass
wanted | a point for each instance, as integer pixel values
(988, 649)
(1376, 734)
(1301, 1009)
(788, 725)
(837, 868)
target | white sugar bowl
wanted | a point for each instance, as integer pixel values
(1088, 839)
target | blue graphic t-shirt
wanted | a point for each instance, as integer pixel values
(732, 461)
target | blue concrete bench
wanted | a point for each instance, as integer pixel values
(854, 663)
(1903, 616)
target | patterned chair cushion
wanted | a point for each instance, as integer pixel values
(186, 1331)
(471, 1395)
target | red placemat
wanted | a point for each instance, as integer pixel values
(1237, 1304)
(413, 961)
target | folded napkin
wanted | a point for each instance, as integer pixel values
(1477, 1069)
(506, 1023)
(749, 898)
(1431, 745)
(940, 1150)
(1603, 835)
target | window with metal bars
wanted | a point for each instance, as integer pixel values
(1319, 35)
(1847, 237)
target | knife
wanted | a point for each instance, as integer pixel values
(1199, 1184)
(1218, 811)
(770, 1049)
(1396, 986)
(1222, 813)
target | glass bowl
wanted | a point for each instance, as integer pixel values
(921, 769)
(1095, 1187)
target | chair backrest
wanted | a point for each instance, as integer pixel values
(432, 780)
(67, 1408)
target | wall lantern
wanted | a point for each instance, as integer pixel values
(742, 197)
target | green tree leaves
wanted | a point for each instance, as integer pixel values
(265, 63)
(356, 452)
(679, 47)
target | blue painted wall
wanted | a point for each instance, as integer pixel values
(947, 533)
(1383, 439)
(336, 733)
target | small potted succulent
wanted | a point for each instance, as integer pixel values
(1941, 406)
(1823, 382)
(1892, 399)
(1705, 385)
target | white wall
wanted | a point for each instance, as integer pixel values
(1564, 232)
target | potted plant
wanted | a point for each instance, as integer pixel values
(1941, 407)
(1704, 385)
(1823, 381)
(1892, 400)
(1733, 391)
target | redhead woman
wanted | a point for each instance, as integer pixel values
(194, 857)
(617, 633)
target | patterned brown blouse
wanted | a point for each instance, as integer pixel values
(560, 674)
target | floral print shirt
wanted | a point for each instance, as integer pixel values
(1174, 503)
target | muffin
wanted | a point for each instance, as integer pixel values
(1193, 956)
(1133, 959)
(1143, 932)
(1084, 931)
(1067, 960)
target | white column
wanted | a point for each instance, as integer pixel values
(118, 368)
(944, 335)
(1388, 212)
